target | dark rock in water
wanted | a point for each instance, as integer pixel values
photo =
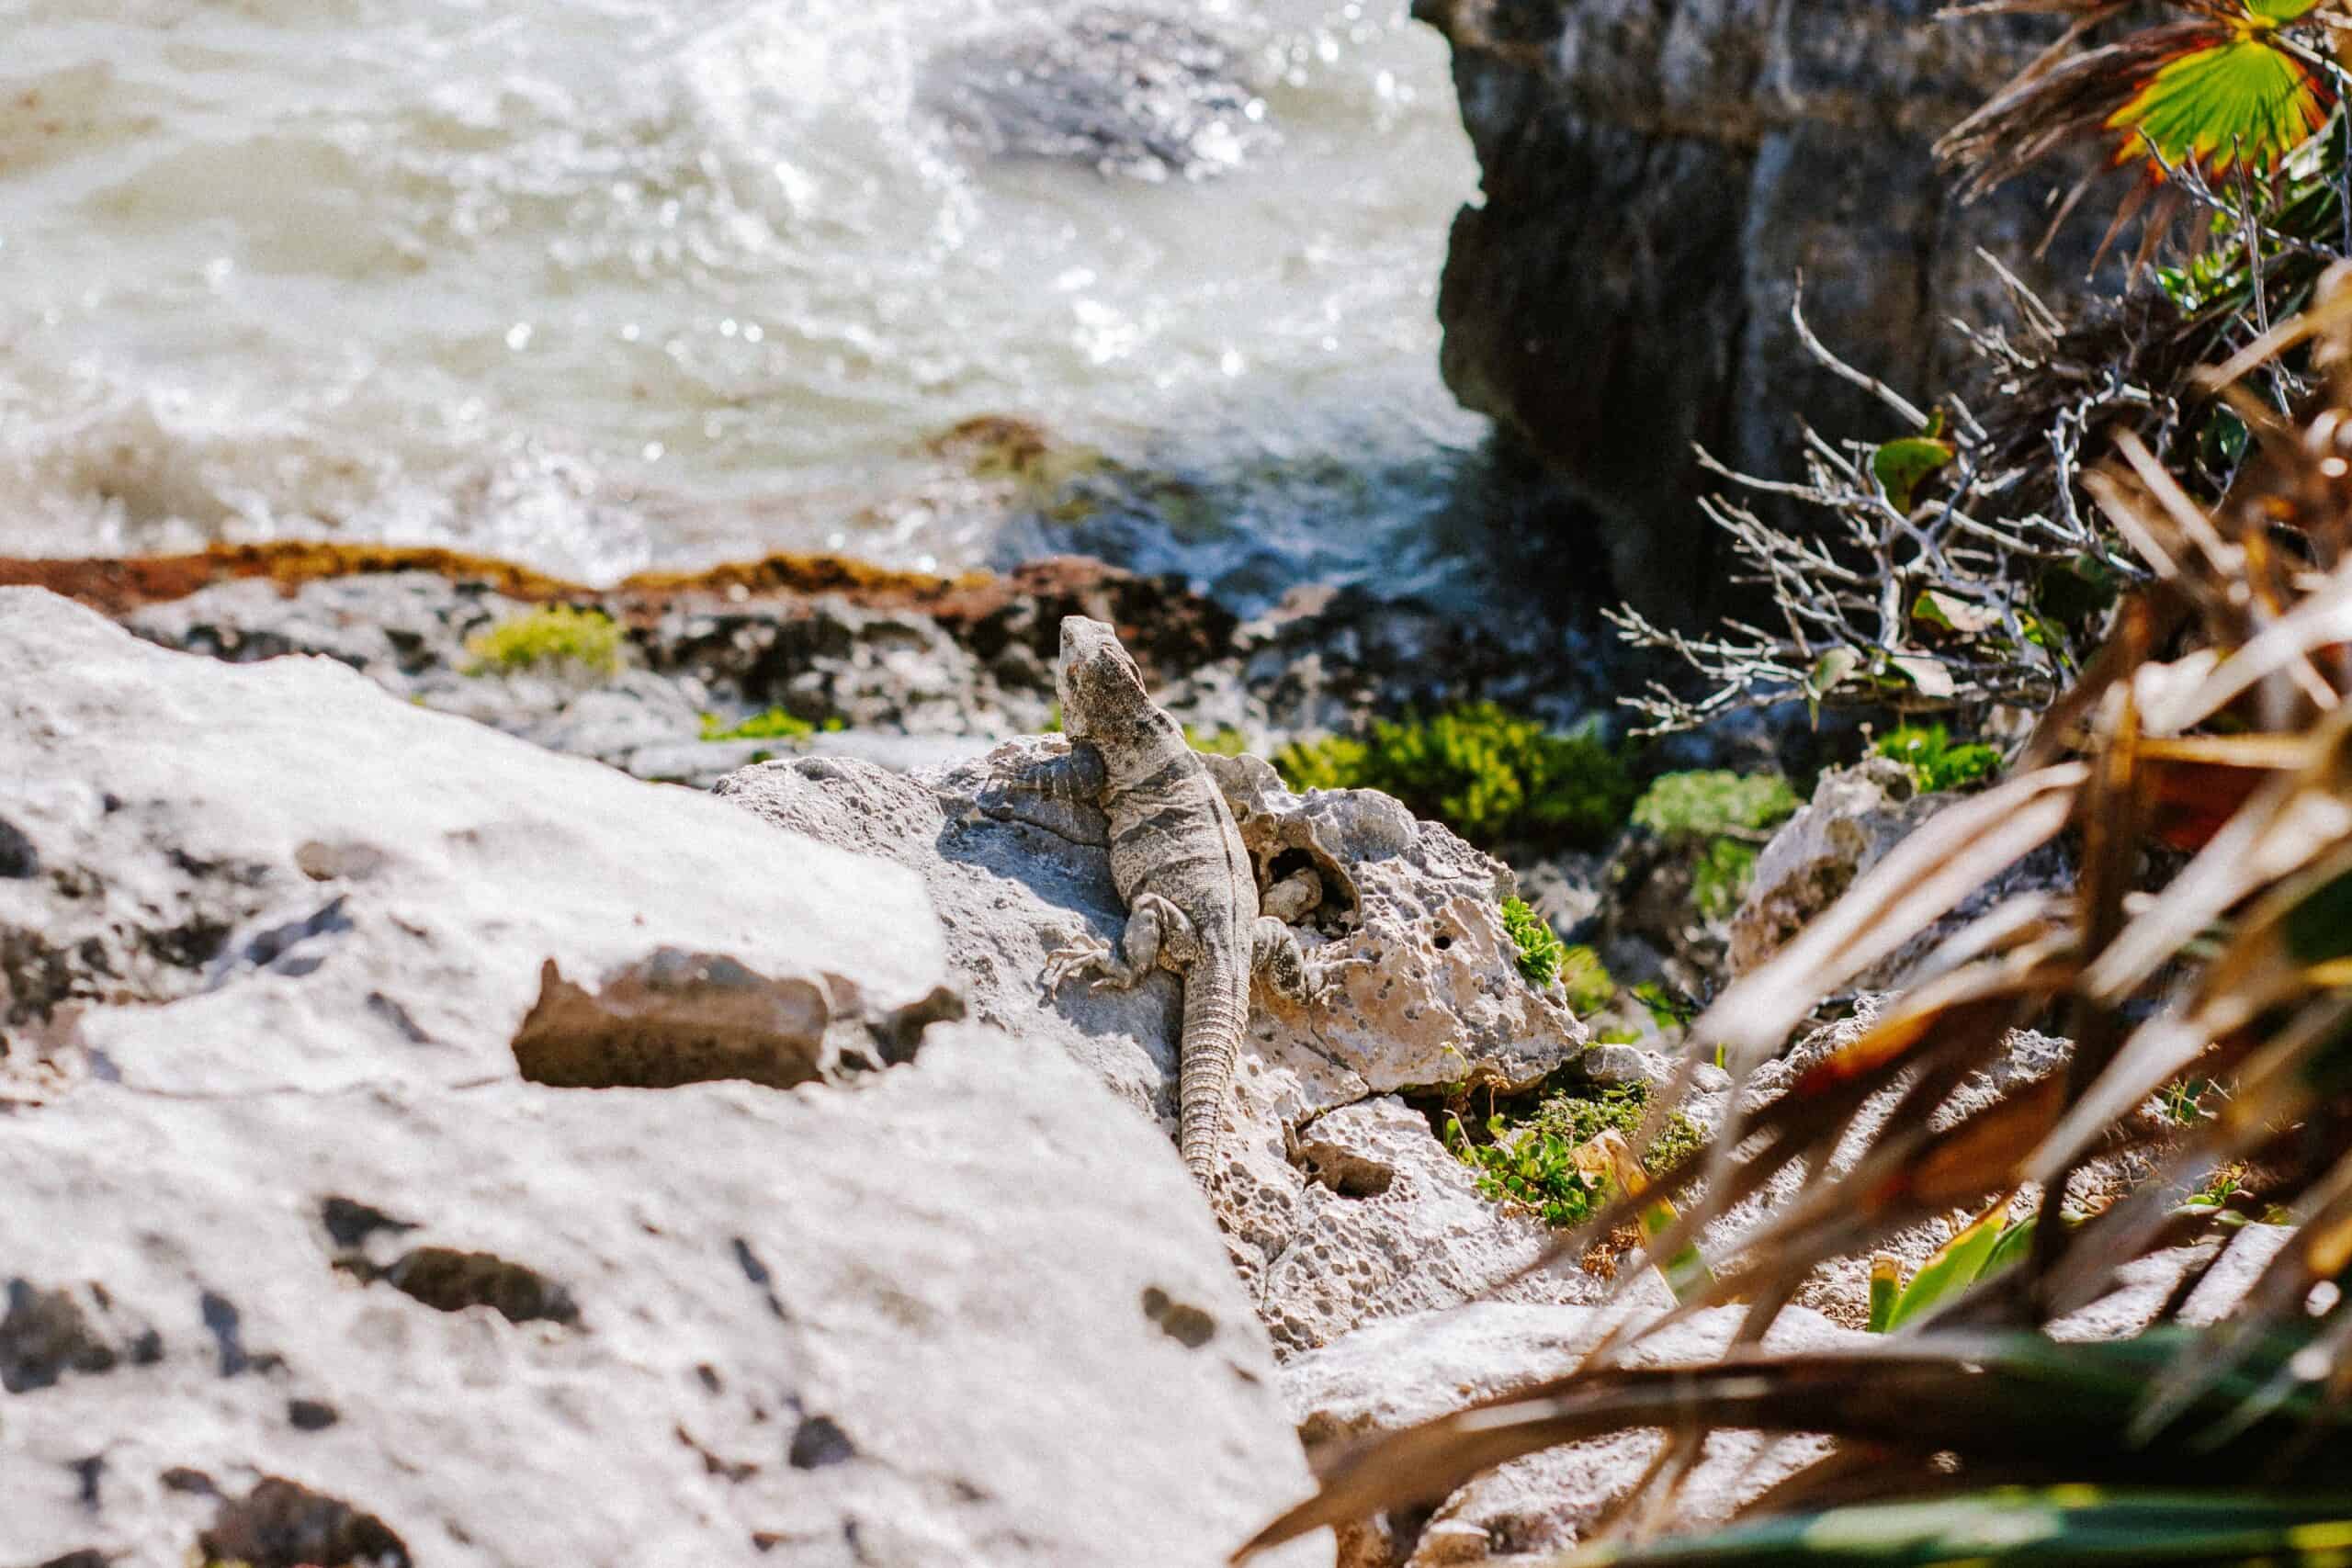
(1656, 178)
(1129, 92)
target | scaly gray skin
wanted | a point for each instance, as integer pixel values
(1178, 859)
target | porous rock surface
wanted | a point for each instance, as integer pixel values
(1656, 175)
(300, 1263)
(1393, 1225)
(1389, 1375)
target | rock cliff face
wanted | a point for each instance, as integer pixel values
(1657, 174)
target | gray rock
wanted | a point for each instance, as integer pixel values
(305, 1245)
(1655, 177)
(1855, 819)
(1126, 91)
(911, 694)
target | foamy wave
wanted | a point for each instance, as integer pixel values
(91, 465)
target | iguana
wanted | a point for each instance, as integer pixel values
(1178, 859)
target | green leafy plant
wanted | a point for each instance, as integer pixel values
(1225, 742)
(1723, 819)
(776, 723)
(1709, 803)
(1578, 1113)
(1590, 987)
(1979, 1249)
(1534, 1169)
(1935, 760)
(556, 634)
(1541, 951)
(1494, 777)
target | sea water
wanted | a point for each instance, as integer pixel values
(606, 284)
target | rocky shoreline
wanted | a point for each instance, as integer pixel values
(872, 653)
(304, 982)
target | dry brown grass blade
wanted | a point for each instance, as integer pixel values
(2017, 1397)
(2292, 819)
(1911, 1174)
(2262, 968)
(2323, 620)
(2321, 1251)
(1429, 1461)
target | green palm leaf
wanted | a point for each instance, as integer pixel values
(2017, 1528)
(2240, 99)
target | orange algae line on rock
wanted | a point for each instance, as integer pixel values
(119, 584)
(786, 573)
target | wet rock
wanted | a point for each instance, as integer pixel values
(1013, 877)
(890, 1313)
(1129, 92)
(1325, 659)
(1654, 178)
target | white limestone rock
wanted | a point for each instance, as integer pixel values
(298, 1262)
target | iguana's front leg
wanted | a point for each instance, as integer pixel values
(1156, 929)
(1077, 774)
(1284, 965)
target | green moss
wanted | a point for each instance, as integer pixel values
(774, 725)
(1533, 1163)
(1590, 985)
(1721, 817)
(1579, 1116)
(1540, 950)
(1494, 777)
(1938, 762)
(557, 635)
(1053, 720)
(1706, 805)
(1224, 743)
(1719, 878)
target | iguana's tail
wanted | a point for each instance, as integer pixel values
(1216, 1010)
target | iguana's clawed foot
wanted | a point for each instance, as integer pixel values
(1077, 957)
(1288, 972)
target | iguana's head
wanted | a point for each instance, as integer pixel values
(1102, 690)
